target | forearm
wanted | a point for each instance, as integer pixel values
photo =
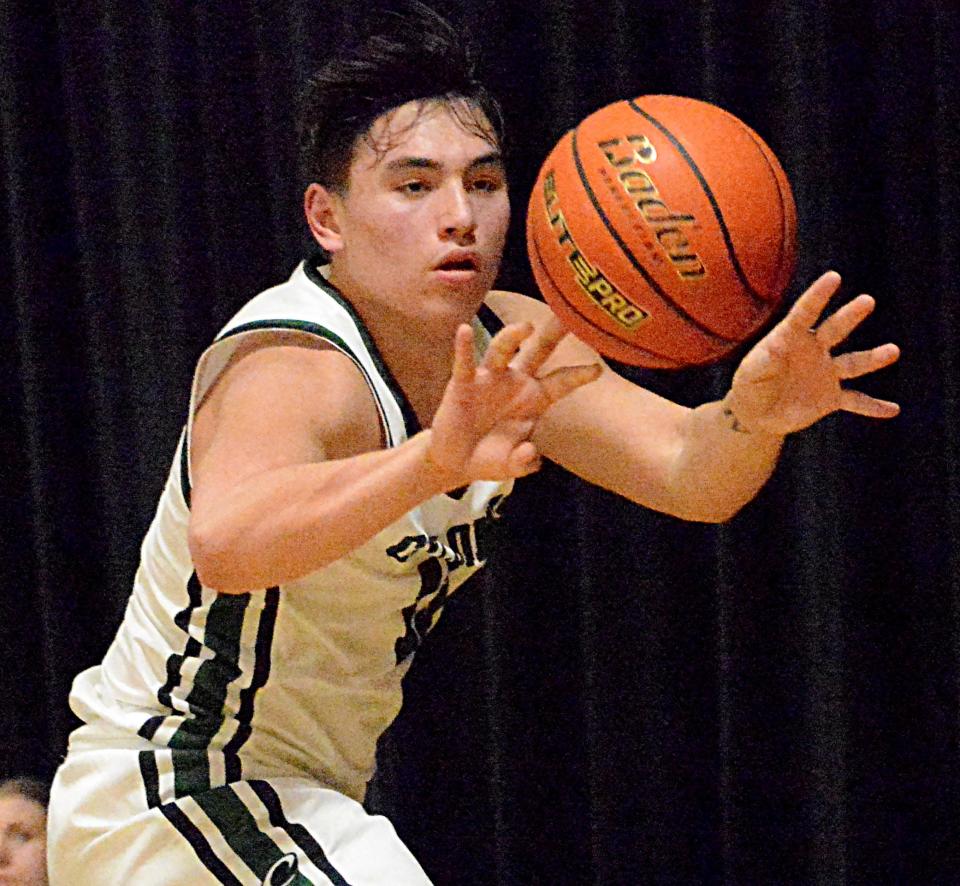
(720, 465)
(284, 523)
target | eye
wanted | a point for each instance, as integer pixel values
(413, 187)
(486, 184)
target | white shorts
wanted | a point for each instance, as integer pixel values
(113, 820)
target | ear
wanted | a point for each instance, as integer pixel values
(320, 207)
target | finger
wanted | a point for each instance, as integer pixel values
(538, 348)
(838, 326)
(504, 345)
(858, 363)
(524, 460)
(807, 309)
(560, 382)
(464, 360)
(861, 404)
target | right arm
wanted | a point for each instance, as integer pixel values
(287, 469)
(288, 473)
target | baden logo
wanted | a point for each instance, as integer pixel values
(628, 157)
(592, 280)
(283, 871)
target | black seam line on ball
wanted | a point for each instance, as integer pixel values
(727, 239)
(667, 300)
(588, 320)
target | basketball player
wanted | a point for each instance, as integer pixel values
(336, 479)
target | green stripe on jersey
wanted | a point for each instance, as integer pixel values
(329, 335)
(312, 270)
(208, 694)
(191, 772)
(185, 468)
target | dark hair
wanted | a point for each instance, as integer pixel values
(29, 788)
(410, 55)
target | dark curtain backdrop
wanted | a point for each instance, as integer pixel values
(623, 698)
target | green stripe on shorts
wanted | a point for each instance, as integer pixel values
(239, 828)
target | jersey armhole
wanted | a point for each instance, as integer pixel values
(216, 358)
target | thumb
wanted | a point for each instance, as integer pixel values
(524, 460)
(762, 364)
(560, 382)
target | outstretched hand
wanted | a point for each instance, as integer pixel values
(791, 379)
(482, 427)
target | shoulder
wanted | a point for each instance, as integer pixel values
(296, 363)
(285, 381)
(514, 307)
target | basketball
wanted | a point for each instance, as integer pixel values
(662, 231)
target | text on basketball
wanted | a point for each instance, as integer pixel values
(665, 224)
(593, 281)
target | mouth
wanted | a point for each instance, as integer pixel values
(458, 265)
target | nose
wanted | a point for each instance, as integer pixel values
(457, 220)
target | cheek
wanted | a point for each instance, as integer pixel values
(498, 216)
(391, 230)
(499, 221)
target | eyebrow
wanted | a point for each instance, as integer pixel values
(494, 158)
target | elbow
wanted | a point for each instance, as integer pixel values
(723, 511)
(712, 516)
(234, 563)
(214, 562)
(719, 515)
(716, 511)
(712, 502)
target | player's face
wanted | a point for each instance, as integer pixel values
(23, 842)
(424, 218)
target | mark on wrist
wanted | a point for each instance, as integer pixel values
(735, 425)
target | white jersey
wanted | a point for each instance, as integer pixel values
(298, 680)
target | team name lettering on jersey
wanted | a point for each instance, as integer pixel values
(465, 545)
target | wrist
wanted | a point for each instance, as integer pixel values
(434, 475)
(732, 419)
(739, 420)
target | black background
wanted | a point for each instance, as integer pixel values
(625, 698)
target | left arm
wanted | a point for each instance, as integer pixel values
(706, 463)
(695, 464)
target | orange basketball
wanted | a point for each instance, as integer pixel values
(662, 231)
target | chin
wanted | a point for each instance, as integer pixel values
(473, 288)
(449, 307)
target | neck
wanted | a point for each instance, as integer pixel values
(406, 338)
(420, 359)
(417, 348)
